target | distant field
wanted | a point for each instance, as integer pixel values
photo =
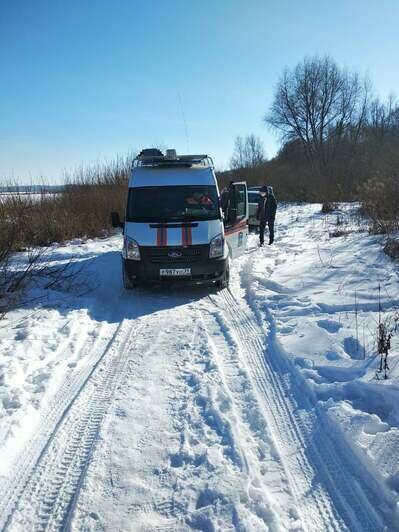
(26, 196)
(33, 189)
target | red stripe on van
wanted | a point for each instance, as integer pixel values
(162, 235)
(186, 236)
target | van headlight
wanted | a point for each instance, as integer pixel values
(131, 249)
(216, 248)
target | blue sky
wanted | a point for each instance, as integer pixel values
(84, 80)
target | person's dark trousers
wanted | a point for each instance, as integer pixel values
(262, 226)
(270, 224)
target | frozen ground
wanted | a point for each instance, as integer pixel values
(256, 408)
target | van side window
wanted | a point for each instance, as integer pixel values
(240, 200)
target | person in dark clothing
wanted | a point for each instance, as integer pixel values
(266, 213)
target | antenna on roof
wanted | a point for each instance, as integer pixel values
(184, 122)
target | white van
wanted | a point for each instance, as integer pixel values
(177, 227)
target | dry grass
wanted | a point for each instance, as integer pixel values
(82, 209)
(31, 222)
(391, 248)
(380, 203)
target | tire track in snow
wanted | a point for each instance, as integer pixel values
(329, 495)
(48, 479)
(316, 511)
(24, 464)
(268, 486)
(130, 483)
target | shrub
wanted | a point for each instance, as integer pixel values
(379, 196)
(391, 248)
(328, 207)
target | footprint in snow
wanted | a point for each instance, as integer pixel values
(11, 402)
(279, 297)
(286, 329)
(330, 326)
(332, 355)
(22, 334)
(353, 348)
(304, 363)
(38, 377)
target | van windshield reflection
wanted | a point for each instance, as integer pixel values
(173, 204)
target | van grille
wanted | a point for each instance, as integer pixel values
(174, 255)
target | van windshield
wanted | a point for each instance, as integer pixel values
(172, 204)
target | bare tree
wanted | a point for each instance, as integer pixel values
(238, 158)
(248, 153)
(323, 107)
(383, 118)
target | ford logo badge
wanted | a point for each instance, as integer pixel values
(174, 254)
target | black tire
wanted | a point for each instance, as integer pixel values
(224, 281)
(128, 283)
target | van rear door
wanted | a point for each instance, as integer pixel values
(236, 218)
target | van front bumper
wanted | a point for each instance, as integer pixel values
(209, 270)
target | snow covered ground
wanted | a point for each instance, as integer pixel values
(255, 408)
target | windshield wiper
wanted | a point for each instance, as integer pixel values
(180, 218)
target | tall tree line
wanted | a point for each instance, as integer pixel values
(336, 135)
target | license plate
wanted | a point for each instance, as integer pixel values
(174, 272)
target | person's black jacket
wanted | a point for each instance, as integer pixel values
(267, 207)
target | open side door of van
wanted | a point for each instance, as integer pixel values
(236, 219)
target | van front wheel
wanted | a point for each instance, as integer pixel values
(224, 281)
(128, 283)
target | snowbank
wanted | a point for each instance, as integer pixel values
(319, 297)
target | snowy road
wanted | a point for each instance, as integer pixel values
(181, 410)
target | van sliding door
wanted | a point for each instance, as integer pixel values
(236, 219)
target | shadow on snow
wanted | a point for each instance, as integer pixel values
(95, 284)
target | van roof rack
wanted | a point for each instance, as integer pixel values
(171, 159)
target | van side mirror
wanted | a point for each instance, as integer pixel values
(115, 221)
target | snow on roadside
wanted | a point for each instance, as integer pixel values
(51, 339)
(320, 294)
(176, 451)
(183, 444)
